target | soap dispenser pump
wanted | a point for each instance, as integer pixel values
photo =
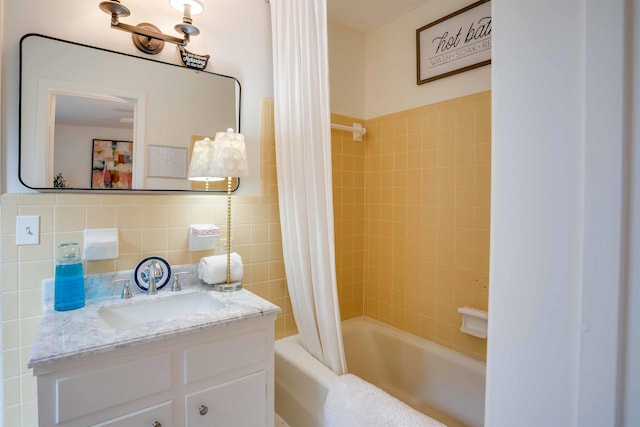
(69, 279)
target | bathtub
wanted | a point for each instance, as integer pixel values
(439, 382)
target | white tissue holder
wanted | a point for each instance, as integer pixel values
(474, 321)
(203, 237)
(100, 243)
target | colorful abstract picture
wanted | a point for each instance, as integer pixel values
(112, 164)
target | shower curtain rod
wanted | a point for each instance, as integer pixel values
(357, 130)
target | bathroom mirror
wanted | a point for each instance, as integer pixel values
(94, 119)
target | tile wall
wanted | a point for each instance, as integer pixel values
(412, 218)
(148, 225)
(348, 163)
(427, 203)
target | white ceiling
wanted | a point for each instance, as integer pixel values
(366, 15)
(94, 112)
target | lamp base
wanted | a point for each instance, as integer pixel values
(224, 287)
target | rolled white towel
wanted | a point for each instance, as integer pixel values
(353, 402)
(213, 269)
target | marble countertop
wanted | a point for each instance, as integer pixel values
(65, 335)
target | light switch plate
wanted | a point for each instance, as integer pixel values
(27, 230)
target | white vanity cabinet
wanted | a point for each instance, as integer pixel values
(240, 402)
(156, 416)
(221, 375)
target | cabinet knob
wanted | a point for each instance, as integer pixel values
(203, 410)
(156, 424)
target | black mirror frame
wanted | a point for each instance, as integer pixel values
(114, 190)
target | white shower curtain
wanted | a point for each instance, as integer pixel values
(303, 160)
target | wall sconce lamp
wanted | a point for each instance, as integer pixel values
(147, 37)
(223, 158)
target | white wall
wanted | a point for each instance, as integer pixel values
(631, 369)
(391, 65)
(73, 150)
(558, 209)
(536, 232)
(346, 70)
(374, 74)
(236, 33)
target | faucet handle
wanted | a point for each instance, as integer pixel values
(176, 282)
(126, 290)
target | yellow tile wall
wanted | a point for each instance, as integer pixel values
(349, 214)
(148, 225)
(427, 199)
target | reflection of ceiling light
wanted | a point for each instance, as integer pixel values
(126, 120)
(147, 37)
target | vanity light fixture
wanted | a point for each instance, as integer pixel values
(223, 158)
(147, 37)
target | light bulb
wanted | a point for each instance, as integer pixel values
(195, 6)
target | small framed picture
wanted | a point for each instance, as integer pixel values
(167, 162)
(455, 43)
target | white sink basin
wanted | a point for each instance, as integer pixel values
(160, 309)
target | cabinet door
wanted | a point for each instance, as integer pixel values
(84, 392)
(148, 417)
(238, 403)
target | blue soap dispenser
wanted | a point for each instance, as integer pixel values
(69, 279)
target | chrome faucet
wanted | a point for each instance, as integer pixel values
(177, 286)
(126, 290)
(154, 272)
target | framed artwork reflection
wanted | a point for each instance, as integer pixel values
(167, 162)
(111, 164)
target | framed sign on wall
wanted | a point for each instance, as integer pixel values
(455, 43)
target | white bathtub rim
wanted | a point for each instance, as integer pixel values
(302, 384)
(291, 349)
